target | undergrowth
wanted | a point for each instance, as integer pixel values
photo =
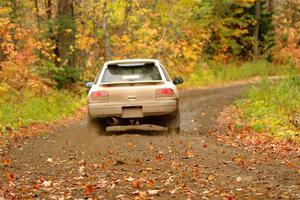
(274, 108)
(217, 73)
(23, 109)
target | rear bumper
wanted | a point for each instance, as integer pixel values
(143, 109)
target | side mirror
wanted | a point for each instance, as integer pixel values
(89, 84)
(178, 81)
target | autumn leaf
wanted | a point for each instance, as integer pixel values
(158, 157)
(10, 176)
(136, 184)
(128, 179)
(211, 177)
(50, 160)
(88, 190)
(229, 198)
(138, 162)
(150, 183)
(6, 162)
(130, 145)
(190, 154)
(37, 187)
(238, 179)
(153, 192)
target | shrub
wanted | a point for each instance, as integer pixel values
(274, 107)
(26, 109)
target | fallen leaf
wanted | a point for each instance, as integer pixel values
(238, 179)
(291, 165)
(10, 176)
(37, 187)
(47, 183)
(190, 154)
(137, 192)
(151, 147)
(88, 190)
(138, 162)
(82, 171)
(6, 162)
(136, 184)
(158, 157)
(130, 145)
(120, 196)
(150, 183)
(211, 177)
(153, 192)
(83, 162)
(129, 179)
(119, 162)
(230, 198)
(110, 152)
(50, 160)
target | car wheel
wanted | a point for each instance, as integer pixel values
(173, 123)
(96, 125)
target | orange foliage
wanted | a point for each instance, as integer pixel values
(17, 53)
(287, 33)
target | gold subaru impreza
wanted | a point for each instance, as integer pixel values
(134, 94)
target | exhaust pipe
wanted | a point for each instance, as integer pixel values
(113, 121)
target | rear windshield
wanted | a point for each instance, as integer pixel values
(131, 72)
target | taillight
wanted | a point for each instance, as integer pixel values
(99, 95)
(165, 92)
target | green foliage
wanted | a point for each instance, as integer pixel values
(61, 75)
(274, 108)
(231, 24)
(17, 110)
(215, 72)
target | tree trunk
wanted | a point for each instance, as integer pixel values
(66, 33)
(107, 52)
(257, 26)
(127, 10)
(37, 10)
(271, 6)
(48, 6)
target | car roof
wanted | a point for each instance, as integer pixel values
(132, 61)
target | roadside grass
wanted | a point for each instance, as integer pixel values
(212, 73)
(273, 108)
(21, 110)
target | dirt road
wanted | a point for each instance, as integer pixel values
(74, 163)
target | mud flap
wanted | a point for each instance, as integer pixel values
(144, 127)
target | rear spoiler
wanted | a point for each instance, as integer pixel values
(131, 82)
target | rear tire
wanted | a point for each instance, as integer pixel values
(97, 125)
(173, 123)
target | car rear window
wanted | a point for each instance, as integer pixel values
(131, 72)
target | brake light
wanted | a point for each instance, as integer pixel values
(165, 92)
(98, 95)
